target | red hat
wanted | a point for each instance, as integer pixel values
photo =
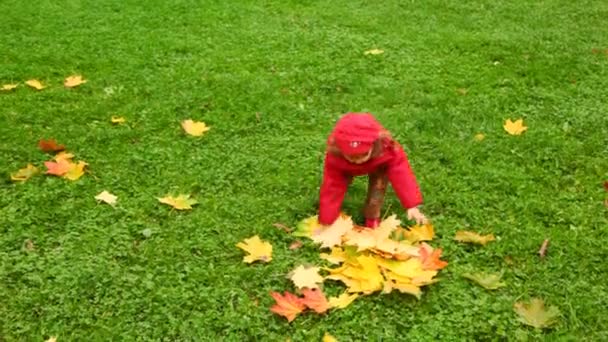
(355, 133)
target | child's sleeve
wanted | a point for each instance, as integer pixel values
(403, 180)
(333, 190)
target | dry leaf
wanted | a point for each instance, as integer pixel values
(462, 91)
(9, 87)
(306, 277)
(374, 52)
(287, 305)
(466, 236)
(76, 171)
(181, 202)
(328, 338)
(295, 245)
(480, 136)
(35, 84)
(52, 339)
(59, 168)
(430, 258)
(543, 248)
(195, 128)
(486, 280)
(106, 197)
(282, 226)
(515, 128)
(342, 300)
(74, 81)
(308, 227)
(25, 173)
(315, 299)
(63, 156)
(50, 145)
(535, 314)
(606, 185)
(117, 119)
(420, 233)
(257, 249)
(332, 236)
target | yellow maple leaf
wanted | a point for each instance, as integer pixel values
(74, 81)
(63, 156)
(181, 202)
(515, 128)
(328, 338)
(106, 197)
(52, 339)
(536, 314)
(374, 52)
(332, 236)
(8, 87)
(466, 236)
(35, 84)
(370, 238)
(117, 119)
(306, 277)
(403, 288)
(336, 256)
(420, 233)
(342, 301)
(76, 171)
(308, 227)
(480, 136)
(195, 128)
(257, 249)
(25, 173)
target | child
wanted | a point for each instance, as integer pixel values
(359, 145)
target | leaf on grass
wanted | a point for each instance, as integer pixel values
(337, 255)
(606, 185)
(306, 277)
(50, 145)
(295, 245)
(282, 226)
(117, 119)
(35, 84)
(328, 338)
(420, 233)
(181, 202)
(315, 299)
(76, 171)
(52, 339)
(543, 248)
(480, 136)
(489, 281)
(195, 128)
(536, 314)
(287, 305)
(307, 227)
(106, 197)
(25, 173)
(430, 258)
(58, 168)
(515, 127)
(74, 81)
(466, 236)
(63, 156)
(374, 52)
(332, 236)
(9, 87)
(342, 301)
(257, 249)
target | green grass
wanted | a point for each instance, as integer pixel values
(299, 64)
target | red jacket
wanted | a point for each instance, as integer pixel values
(338, 172)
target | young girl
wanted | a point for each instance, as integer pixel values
(359, 145)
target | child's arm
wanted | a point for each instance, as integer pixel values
(333, 190)
(404, 183)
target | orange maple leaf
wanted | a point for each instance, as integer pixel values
(430, 258)
(59, 168)
(287, 305)
(315, 299)
(50, 145)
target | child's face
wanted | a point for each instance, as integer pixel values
(359, 158)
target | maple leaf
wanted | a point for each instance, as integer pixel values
(430, 258)
(315, 299)
(295, 245)
(195, 128)
(35, 84)
(371, 238)
(328, 338)
(480, 136)
(63, 156)
(342, 301)
(287, 305)
(465, 236)
(403, 288)
(24, 174)
(9, 87)
(52, 339)
(535, 314)
(308, 227)
(74, 81)
(58, 168)
(306, 277)
(337, 255)
(257, 249)
(332, 235)
(420, 233)
(515, 128)
(106, 197)
(50, 145)
(486, 280)
(117, 119)
(76, 171)
(374, 52)
(363, 275)
(181, 202)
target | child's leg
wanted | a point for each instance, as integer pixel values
(378, 181)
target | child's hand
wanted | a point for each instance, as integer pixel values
(416, 215)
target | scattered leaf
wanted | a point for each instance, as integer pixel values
(63, 156)
(282, 226)
(257, 249)
(315, 299)
(295, 245)
(287, 305)
(52, 339)
(480, 136)
(76, 171)
(74, 81)
(332, 236)
(462, 91)
(50, 145)
(536, 314)
(486, 280)
(25, 173)
(59, 168)
(328, 338)
(543, 248)
(342, 300)
(466, 236)
(306, 277)
(146, 233)
(35, 84)
(9, 87)
(117, 119)
(420, 233)
(106, 197)
(195, 128)
(430, 258)
(374, 52)
(181, 202)
(515, 128)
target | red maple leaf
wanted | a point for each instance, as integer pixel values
(315, 299)
(59, 168)
(50, 145)
(430, 258)
(288, 305)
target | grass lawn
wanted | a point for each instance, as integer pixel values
(271, 78)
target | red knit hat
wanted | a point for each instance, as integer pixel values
(355, 133)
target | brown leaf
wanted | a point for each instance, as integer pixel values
(50, 145)
(282, 226)
(543, 248)
(295, 245)
(606, 185)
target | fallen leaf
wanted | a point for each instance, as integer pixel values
(25, 173)
(181, 202)
(536, 314)
(606, 185)
(9, 87)
(50, 145)
(295, 245)
(307, 227)
(342, 300)
(29, 245)
(282, 226)
(515, 128)
(308, 277)
(146, 232)
(315, 299)
(117, 119)
(462, 91)
(287, 305)
(332, 236)
(63, 156)
(76, 171)
(480, 136)
(74, 81)
(59, 168)
(465, 236)
(486, 280)
(328, 338)
(420, 233)
(543, 248)
(195, 128)
(374, 52)
(106, 197)
(430, 258)
(35, 84)
(52, 339)
(257, 249)
(337, 255)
